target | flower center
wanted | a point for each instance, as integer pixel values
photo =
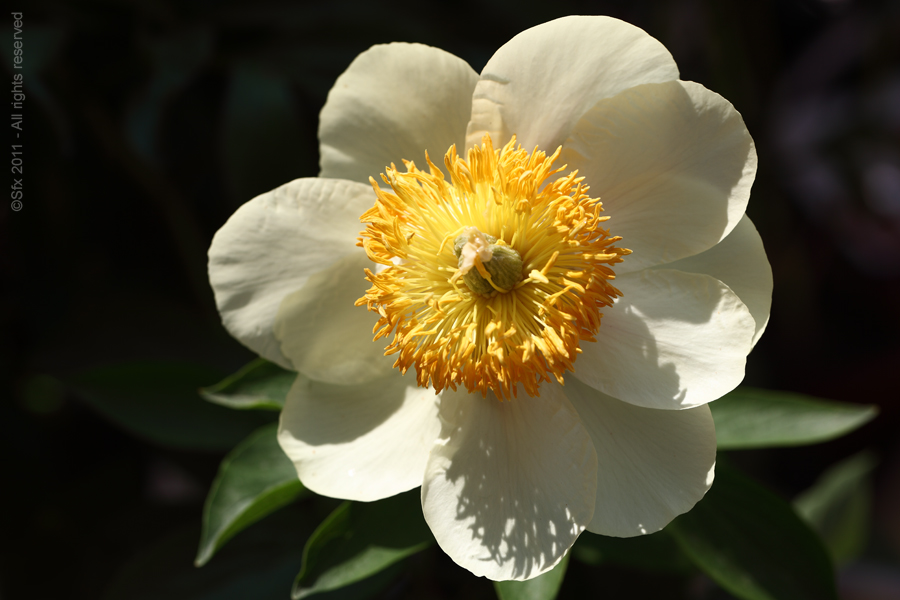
(494, 278)
(498, 267)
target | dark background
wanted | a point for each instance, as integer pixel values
(148, 123)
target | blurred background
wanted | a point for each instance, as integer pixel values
(147, 123)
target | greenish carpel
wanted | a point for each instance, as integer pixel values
(504, 265)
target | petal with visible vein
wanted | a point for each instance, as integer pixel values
(510, 485)
(672, 163)
(542, 81)
(272, 245)
(394, 102)
(739, 261)
(360, 442)
(673, 340)
(653, 465)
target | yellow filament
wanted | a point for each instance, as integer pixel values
(513, 339)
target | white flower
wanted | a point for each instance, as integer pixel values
(627, 443)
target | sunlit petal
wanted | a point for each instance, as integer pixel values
(394, 102)
(360, 442)
(509, 485)
(740, 262)
(653, 465)
(272, 245)
(540, 83)
(672, 163)
(674, 340)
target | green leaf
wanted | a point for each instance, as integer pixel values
(258, 385)
(755, 418)
(838, 506)
(255, 479)
(361, 539)
(158, 401)
(657, 552)
(753, 544)
(542, 587)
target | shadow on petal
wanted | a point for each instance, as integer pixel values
(672, 163)
(653, 464)
(626, 358)
(673, 340)
(361, 442)
(329, 413)
(322, 332)
(511, 485)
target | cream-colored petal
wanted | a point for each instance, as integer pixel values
(510, 485)
(272, 244)
(539, 83)
(740, 262)
(673, 165)
(673, 340)
(653, 465)
(394, 102)
(360, 442)
(324, 335)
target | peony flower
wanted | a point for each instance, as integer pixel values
(554, 297)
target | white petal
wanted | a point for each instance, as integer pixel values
(740, 262)
(324, 335)
(539, 83)
(272, 244)
(653, 465)
(510, 485)
(673, 340)
(672, 163)
(394, 102)
(360, 442)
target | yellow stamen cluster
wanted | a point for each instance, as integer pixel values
(488, 341)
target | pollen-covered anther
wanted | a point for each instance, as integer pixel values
(494, 277)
